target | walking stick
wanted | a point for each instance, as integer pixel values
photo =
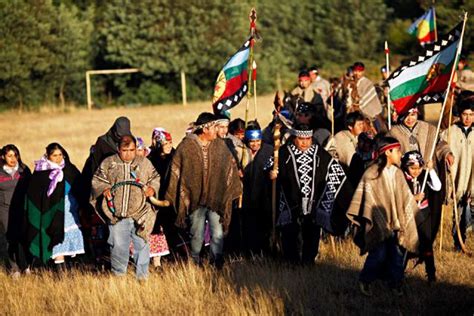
(332, 112)
(276, 149)
(455, 208)
(443, 206)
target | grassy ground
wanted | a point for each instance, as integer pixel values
(263, 287)
(245, 287)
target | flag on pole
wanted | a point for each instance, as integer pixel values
(232, 82)
(424, 28)
(425, 78)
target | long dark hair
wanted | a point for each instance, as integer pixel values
(54, 146)
(10, 147)
(381, 160)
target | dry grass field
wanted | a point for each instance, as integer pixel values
(243, 287)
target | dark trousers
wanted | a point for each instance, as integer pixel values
(385, 261)
(300, 240)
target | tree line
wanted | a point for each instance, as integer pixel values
(47, 45)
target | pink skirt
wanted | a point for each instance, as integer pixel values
(158, 245)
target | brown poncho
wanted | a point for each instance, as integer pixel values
(129, 201)
(189, 189)
(371, 211)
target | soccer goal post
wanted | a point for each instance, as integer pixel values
(89, 73)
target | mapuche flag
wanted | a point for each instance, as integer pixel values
(424, 28)
(424, 78)
(232, 82)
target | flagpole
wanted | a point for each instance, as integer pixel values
(254, 77)
(458, 53)
(387, 66)
(435, 27)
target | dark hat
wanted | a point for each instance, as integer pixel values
(465, 101)
(304, 108)
(303, 73)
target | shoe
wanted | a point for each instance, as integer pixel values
(397, 291)
(431, 278)
(365, 289)
(15, 275)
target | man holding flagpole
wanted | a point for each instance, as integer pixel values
(426, 78)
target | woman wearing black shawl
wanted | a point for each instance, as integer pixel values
(52, 209)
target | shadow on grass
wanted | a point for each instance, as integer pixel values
(328, 289)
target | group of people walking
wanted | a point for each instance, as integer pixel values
(247, 190)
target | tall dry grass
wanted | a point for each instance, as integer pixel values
(259, 286)
(244, 287)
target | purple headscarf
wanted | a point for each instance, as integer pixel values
(56, 175)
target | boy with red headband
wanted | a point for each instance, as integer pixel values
(305, 90)
(383, 211)
(369, 103)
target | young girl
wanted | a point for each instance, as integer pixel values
(157, 239)
(427, 223)
(383, 211)
(14, 177)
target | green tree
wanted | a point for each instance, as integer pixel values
(71, 48)
(24, 30)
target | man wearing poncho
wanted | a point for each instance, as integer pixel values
(203, 183)
(369, 102)
(126, 210)
(461, 141)
(312, 190)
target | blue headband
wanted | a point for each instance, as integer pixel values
(253, 134)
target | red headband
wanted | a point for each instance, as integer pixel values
(358, 68)
(304, 77)
(388, 147)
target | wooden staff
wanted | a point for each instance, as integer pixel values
(276, 149)
(443, 206)
(332, 112)
(456, 218)
(387, 66)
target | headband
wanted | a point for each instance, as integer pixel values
(300, 133)
(202, 126)
(358, 68)
(388, 147)
(304, 77)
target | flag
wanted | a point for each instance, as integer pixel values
(424, 28)
(232, 82)
(424, 78)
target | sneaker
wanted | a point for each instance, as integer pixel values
(15, 275)
(365, 289)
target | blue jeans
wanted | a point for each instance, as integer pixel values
(384, 261)
(198, 220)
(119, 241)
